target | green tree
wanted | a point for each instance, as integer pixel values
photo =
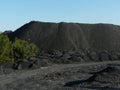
(18, 50)
(23, 50)
(5, 50)
(33, 49)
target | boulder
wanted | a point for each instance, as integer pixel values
(104, 55)
(57, 54)
(93, 56)
(66, 56)
(76, 59)
(118, 55)
(23, 64)
(17, 65)
(42, 62)
(113, 56)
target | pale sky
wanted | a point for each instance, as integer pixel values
(15, 13)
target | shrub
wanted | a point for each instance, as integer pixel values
(24, 50)
(19, 50)
(5, 49)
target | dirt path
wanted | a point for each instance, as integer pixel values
(5, 79)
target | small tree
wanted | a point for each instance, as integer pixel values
(5, 49)
(18, 50)
(33, 49)
(23, 50)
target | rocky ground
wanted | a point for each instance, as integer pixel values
(84, 76)
(88, 70)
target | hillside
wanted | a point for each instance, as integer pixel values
(70, 36)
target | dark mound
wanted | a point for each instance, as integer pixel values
(70, 36)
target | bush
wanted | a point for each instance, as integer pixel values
(18, 50)
(5, 49)
(24, 50)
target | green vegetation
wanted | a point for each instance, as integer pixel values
(18, 50)
(5, 49)
(24, 50)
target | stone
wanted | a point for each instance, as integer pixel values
(66, 56)
(42, 62)
(104, 55)
(113, 56)
(57, 54)
(76, 59)
(93, 56)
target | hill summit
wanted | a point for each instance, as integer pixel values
(70, 36)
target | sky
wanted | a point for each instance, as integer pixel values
(15, 13)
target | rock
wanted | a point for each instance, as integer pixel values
(79, 53)
(93, 56)
(57, 54)
(16, 65)
(34, 60)
(118, 54)
(71, 52)
(23, 64)
(76, 59)
(42, 62)
(104, 55)
(66, 56)
(113, 56)
(26, 64)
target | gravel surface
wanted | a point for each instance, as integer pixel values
(85, 76)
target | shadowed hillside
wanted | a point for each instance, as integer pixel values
(70, 36)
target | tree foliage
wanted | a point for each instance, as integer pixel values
(24, 50)
(5, 49)
(19, 49)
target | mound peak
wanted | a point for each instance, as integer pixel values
(70, 36)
